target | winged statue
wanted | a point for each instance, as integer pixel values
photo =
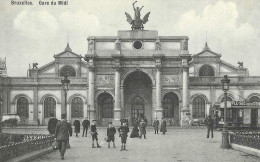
(137, 22)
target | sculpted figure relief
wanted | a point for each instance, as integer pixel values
(157, 44)
(91, 45)
(118, 44)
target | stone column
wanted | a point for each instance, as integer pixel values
(117, 107)
(91, 92)
(158, 108)
(185, 111)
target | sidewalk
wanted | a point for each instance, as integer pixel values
(176, 145)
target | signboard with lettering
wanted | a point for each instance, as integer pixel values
(244, 103)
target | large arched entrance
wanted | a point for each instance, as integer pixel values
(138, 96)
(105, 108)
(170, 105)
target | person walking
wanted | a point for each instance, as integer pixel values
(142, 128)
(123, 131)
(52, 124)
(210, 124)
(94, 134)
(76, 123)
(163, 126)
(62, 133)
(111, 131)
(135, 131)
(85, 125)
(156, 125)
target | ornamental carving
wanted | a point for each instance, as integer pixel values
(172, 71)
(171, 79)
(104, 79)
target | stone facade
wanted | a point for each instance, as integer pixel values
(136, 73)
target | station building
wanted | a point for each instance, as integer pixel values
(136, 73)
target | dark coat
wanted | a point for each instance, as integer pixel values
(142, 127)
(209, 122)
(163, 127)
(93, 129)
(85, 123)
(63, 131)
(76, 123)
(111, 131)
(156, 124)
(52, 125)
(123, 131)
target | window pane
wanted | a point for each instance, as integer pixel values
(198, 107)
(49, 107)
(77, 107)
(23, 107)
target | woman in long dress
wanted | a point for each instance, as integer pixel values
(135, 131)
(163, 126)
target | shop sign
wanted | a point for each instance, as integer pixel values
(244, 103)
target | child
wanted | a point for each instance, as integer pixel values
(123, 130)
(94, 134)
(111, 131)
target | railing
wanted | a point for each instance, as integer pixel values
(19, 144)
(246, 138)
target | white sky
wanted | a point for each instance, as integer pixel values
(34, 33)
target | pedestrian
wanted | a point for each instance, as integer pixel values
(145, 120)
(127, 122)
(135, 131)
(138, 120)
(111, 131)
(94, 134)
(123, 131)
(210, 124)
(85, 125)
(163, 126)
(156, 125)
(122, 120)
(142, 128)
(62, 133)
(52, 124)
(76, 123)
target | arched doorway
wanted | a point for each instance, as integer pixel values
(254, 111)
(138, 96)
(76, 107)
(106, 108)
(23, 109)
(49, 107)
(170, 104)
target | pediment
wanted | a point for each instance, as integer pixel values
(207, 53)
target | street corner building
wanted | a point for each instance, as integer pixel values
(136, 73)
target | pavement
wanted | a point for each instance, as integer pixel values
(176, 145)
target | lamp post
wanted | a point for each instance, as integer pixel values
(88, 112)
(225, 87)
(65, 85)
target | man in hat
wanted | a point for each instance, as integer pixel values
(85, 125)
(62, 133)
(210, 125)
(52, 124)
(76, 123)
(156, 125)
(123, 130)
(94, 134)
(111, 131)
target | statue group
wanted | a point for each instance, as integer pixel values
(137, 22)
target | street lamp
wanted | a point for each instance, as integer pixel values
(65, 85)
(225, 87)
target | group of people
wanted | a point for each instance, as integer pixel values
(62, 130)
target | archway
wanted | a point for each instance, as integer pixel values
(138, 96)
(105, 108)
(170, 105)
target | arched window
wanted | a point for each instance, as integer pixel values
(254, 99)
(76, 107)
(228, 99)
(68, 71)
(206, 70)
(23, 107)
(106, 104)
(137, 107)
(49, 107)
(198, 107)
(170, 102)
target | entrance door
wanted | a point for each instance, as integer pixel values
(254, 117)
(137, 107)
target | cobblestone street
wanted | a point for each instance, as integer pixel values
(177, 145)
